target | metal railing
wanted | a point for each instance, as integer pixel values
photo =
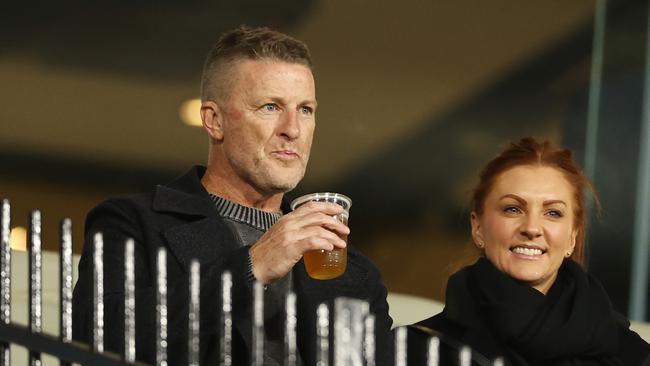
(352, 331)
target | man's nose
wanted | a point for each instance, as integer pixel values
(531, 227)
(289, 126)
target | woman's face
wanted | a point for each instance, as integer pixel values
(526, 227)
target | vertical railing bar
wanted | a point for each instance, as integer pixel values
(433, 351)
(65, 282)
(225, 343)
(342, 335)
(161, 309)
(129, 301)
(322, 334)
(400, 346)
(35, 281)
(290, 343)
(5, 276)
(194, 314)
(369, 351)
(465, 356)
(258, 324)
(98, 293)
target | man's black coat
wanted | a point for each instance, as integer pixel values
(181, 218)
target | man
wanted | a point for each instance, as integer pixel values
(258, 108)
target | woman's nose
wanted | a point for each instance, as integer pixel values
(531, 227)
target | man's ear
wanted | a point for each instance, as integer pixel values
(212, 118)
(477, 234)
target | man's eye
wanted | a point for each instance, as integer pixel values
(306, 110)
(270, 107)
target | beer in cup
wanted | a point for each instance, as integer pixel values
(324, 264)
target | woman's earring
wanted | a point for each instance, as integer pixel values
(480, 245)
(568, 254)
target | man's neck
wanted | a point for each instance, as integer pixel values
(237, 190)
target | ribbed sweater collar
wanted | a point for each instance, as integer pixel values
(256, 218)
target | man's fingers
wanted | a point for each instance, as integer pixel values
(317, 238)
(316, 219)
(336, 225)
(310, 227)
(327, 208)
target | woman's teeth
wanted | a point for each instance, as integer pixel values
(527, 251)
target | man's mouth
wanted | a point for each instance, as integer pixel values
(286, 154)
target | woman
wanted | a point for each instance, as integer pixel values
(527, 298)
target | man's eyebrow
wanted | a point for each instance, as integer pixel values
(282, 100)
(312, 102)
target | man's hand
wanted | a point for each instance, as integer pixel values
(311, 226)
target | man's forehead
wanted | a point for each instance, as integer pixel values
(277, 76)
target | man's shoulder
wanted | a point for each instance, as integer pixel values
(126, 202)
(179, 188)
(119, 211)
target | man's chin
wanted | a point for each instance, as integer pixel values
(283, 187)
(286, 180)
(273, 186)
(279, 181)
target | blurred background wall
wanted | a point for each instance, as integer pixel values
(414, 97)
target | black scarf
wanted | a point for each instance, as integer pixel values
(574, 324)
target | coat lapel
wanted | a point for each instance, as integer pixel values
(205, 240)
(204, 236)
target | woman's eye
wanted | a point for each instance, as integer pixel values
(512, 210)
(555, 213)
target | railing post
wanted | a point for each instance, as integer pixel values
(161, 309)
(465, 356)
(291, 320)
(322, 335)
(400, 346)
(194, 315)
(258, 324)
(129, 301)
(433, 351)
(35, 281)
(65, 283)
(369, 352)
(349, 316)
(98, 293)
(225, 336)
(5, 276)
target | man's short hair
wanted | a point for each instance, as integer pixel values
(245, 43)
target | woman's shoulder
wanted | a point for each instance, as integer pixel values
(440, 324)
(633, 350)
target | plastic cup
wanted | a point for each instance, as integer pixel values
(325, 264)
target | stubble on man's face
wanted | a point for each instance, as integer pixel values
(269, 124)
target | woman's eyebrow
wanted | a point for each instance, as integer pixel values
(552, 202)
(520, 200)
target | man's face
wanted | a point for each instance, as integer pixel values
(268, 123)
